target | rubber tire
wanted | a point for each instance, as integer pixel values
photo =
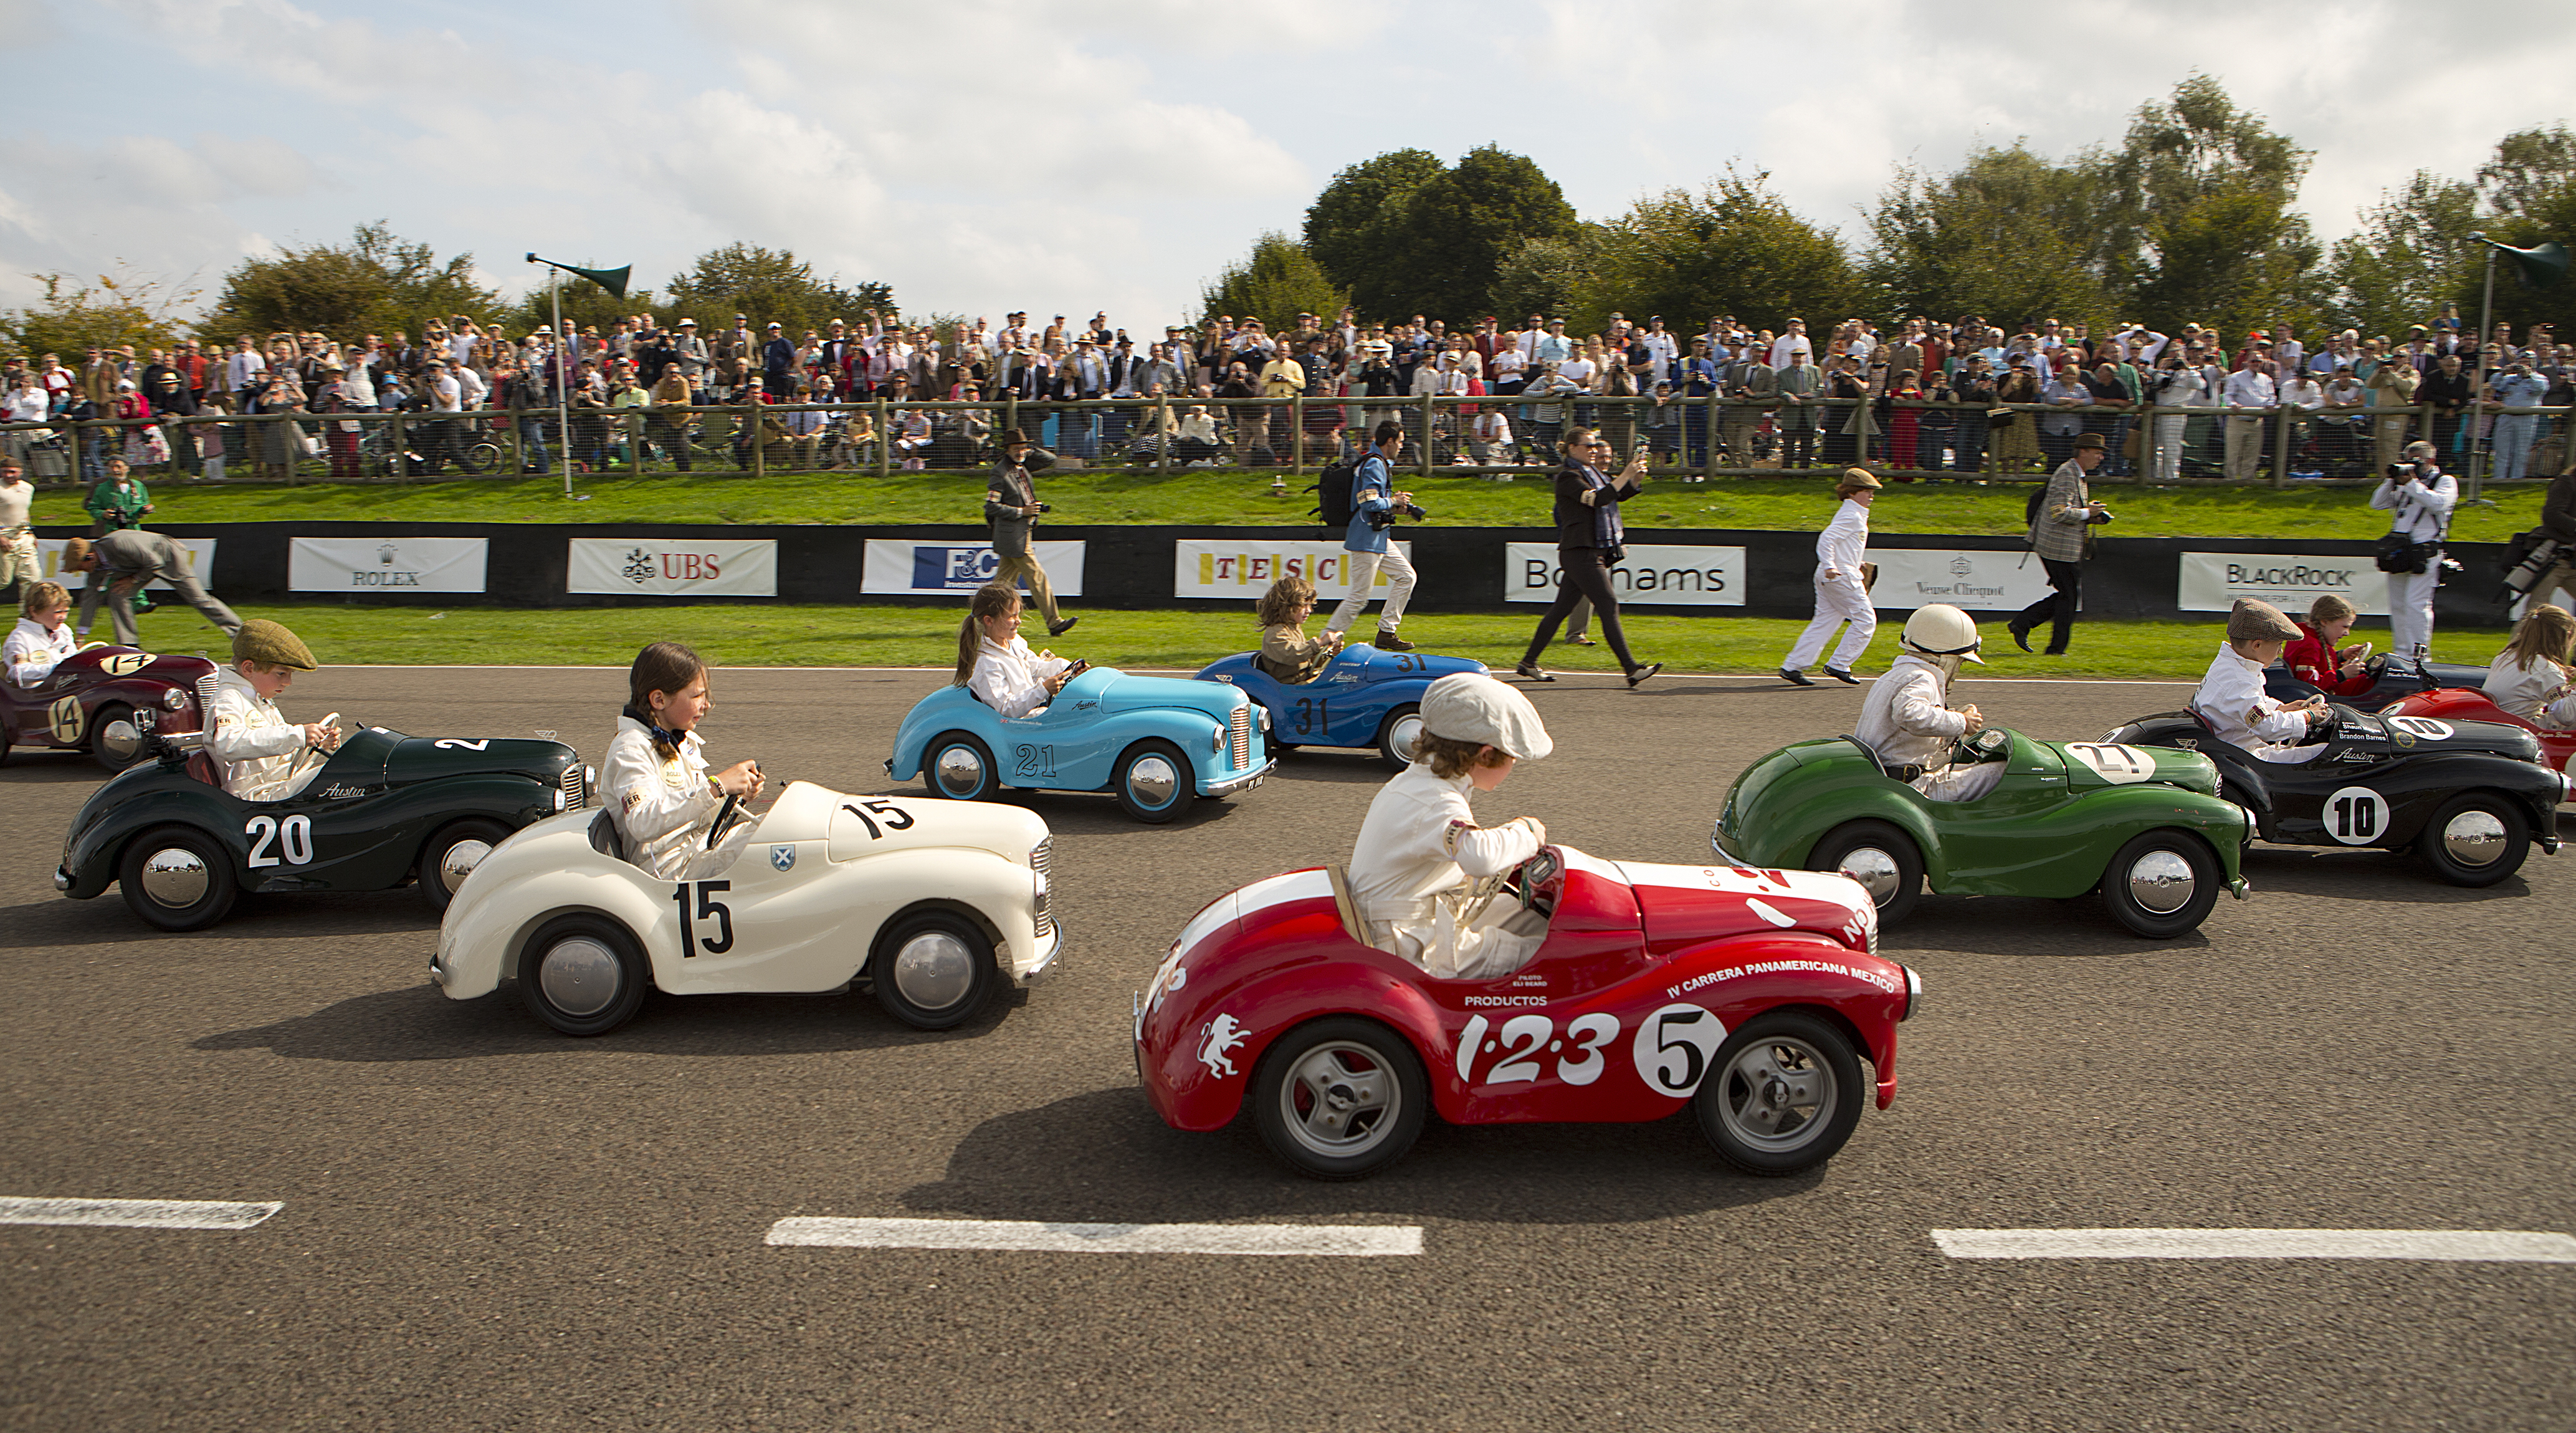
(433, 888)
(1386, 736)
(1829, 852)
(2207, 883)
(112, 711)
(1392, 1052)
(1183, 792)
(222, 885)
(1826, 1136)
(930, 766)
(890, 997)
(479, 457)
(635, 975)
(2517, 840)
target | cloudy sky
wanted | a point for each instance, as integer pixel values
(988, 155)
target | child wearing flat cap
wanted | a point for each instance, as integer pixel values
(252, 742)
(1420, 851)
(2231, 697)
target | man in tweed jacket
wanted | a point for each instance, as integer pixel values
(2058, 534)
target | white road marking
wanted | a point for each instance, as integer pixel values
(1309, 1240)
(2446, 1245)
(1768, 677)
(136, 1213)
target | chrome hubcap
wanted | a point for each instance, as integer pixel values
(1874, 869)
(120, 742)
(1339, 1100)
(961, 771)
(175, 878)
(934, 971)
(2161, 882)
(1152, 780)
(2473, 837)
(1778, 1094)
(460, 861)
(579, 976)
(1408, 729)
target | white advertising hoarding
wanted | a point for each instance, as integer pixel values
(390, 564)
(1245, 567)
(201, 561)
(2212, 581)
(916, 565)
(1966, 578)
(1680, 576)
(673, 567)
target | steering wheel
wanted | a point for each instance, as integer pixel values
(311, 756)
(1988, 744)
(726, 816)
(1535, 873)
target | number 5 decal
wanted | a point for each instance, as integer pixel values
(1673, 1048)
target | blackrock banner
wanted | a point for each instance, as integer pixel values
(1228, 567)
(390, 564)
(2212, 581)
(673, 567)
(1676, 576)
(912, 566)
(1966, 578)
(201, 561)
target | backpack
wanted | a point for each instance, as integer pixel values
(2030, 513)
(1332, 490)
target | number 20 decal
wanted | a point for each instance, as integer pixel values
(293, 837)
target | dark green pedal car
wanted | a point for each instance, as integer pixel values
(2144, 826)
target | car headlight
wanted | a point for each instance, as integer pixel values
(1216, 741)
(173, 699)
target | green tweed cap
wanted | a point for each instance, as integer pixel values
(261, 640)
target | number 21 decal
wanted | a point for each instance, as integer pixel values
(1519, 1043)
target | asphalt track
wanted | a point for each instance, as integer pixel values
(486, 1225)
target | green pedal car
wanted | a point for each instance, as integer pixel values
(2145, 826)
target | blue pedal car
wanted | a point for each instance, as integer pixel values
(1367, 697)
(1155, 742)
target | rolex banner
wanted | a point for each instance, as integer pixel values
(673, 567)
(389, 564)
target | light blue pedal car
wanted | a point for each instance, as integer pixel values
(1154, 742)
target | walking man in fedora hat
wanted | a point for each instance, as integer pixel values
(1011, 504)
(2061, 532)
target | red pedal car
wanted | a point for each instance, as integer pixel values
(1751, 995)
(2557, 748)
(87, 703)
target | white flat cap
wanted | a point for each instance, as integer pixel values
(1477, 708)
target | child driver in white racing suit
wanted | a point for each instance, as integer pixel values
(1907, 718)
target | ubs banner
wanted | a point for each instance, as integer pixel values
(2212, 581)
(201, 561)
(1224, 567)
(1680, 576)
(1975, 581)
(915, 566)
(390, 564)
(673, 567)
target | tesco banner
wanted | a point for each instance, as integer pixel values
(392, 564)
(912, 566)
(1677, 576)
(1966, 578)
(673, 567)
(2212, 581)
(1227, 567)
(201, 561)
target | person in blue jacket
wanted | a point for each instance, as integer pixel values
(1375, 501)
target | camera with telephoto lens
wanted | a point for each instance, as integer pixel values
(1386, 518)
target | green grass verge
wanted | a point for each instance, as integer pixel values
(1226, 498)
(815, 636)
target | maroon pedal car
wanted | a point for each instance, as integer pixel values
(87, 703)
(1751, 995)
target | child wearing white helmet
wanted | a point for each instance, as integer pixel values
(1907, 718)
(1419, 852)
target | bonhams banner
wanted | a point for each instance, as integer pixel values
(201, 561)
(1976, 580)
(673, 567)
(1227, 567)
(391, 564)
(2212, 581)
(1680, 576)
(912, 565)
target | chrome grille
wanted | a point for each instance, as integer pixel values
(1240, 724)
(206, 687)
(576, 787)
(1042, 866)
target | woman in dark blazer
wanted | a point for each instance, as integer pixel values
(1588, 541)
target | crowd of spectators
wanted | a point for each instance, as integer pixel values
(1964, 397)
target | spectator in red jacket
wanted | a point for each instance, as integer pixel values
(2317, 661)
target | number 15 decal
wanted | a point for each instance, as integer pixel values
(709, 908)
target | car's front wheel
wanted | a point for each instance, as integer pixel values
(2477, 839)
(583, 974)
(114, 741)
(958, 766)
(1784, 1096)
(1879, 856)
(177, 878)
(933, 971)
(1153, 781)
(2162, 884)
(452, 855)
(1395, 738)
(1340, 1098)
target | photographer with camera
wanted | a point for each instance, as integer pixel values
(1590, 540)
(1011, 505)
(2419, 497)
(1375, 502)
(2061, 532)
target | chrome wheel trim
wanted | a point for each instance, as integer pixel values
(119, 742)
(175, 877)
(2474, 838)
(1875, 869)
(579, 976)
(2162, 882)
(460, 861)
(1152, 781)
(1777, 1095)
(934, 970)
(960, 770)
(1408, 729)
(1340, 1099)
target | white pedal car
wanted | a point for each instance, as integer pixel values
(935, 902)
